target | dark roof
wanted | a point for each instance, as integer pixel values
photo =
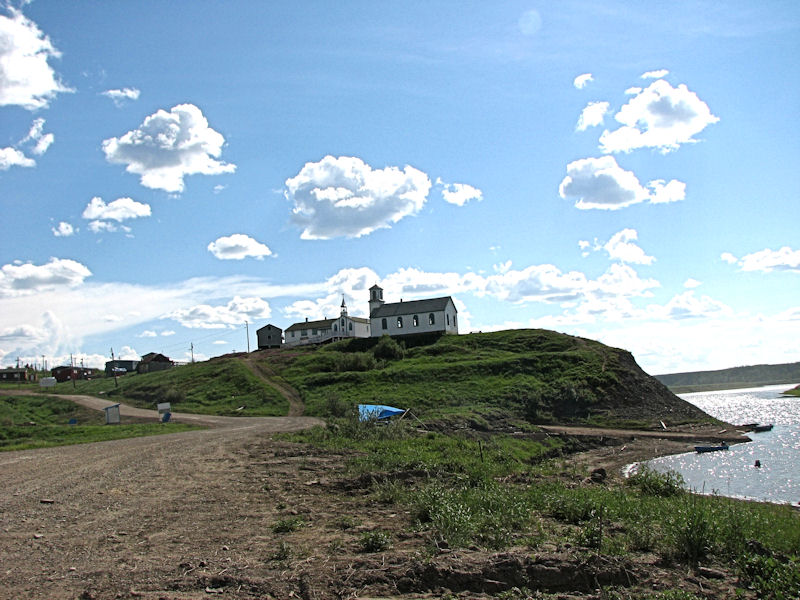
(154, 357)
(393, 309)
(323, 324)
(268, 326)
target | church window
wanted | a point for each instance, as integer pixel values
(448, 320)
(350, 326)
(383, 324)
(431, 319)
(415, 321)
(335, 327)
(399, 322)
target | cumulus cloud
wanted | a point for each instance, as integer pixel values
(767, 260)
(64, 229)
(660, 116)
(230, 315)
(22, 278)
(169, 146)
(11, 157)
(120, 96)
(540, 283)
(101, 226)
(147, 333)
(26, 78)
(689, 306)
(658, 74)
(237, 247)
(345, 197)
(621, 247)
(118, 210)
(601, 183)
(581, 81)
(459, 193)
(692, 283)
(592, 115)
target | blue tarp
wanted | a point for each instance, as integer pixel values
(377, 411)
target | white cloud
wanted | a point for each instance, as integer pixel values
(601, 183)
(120, 96)
(127, 353)
(220, 342)
(767, 260)
(232, 314)
(537, 283)
(689, 306)
(692, 283)
(167, 333)
(101, 226)
(623, 281)
(530, 22)
(26, 78)
(660, 116)
(64, 229)
(633, 91)
(581, 81)
(11, 157)
(41, 141)
(344, 196)
(459, 193)
(592, 115)
(16, 279)
(169, 146)
(237, 247)
(147, 333)
(118, 210)
(655, 74)
(621, 247)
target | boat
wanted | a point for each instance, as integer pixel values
(701, 449)
(761, 428)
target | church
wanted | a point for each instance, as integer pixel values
(433, 315)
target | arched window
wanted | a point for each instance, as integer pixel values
(399, 322)
(431, 319)
(415, 321)
(350, 326)
(448, 320)
(335, 327)
(383, 324)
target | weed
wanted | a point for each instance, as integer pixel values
(375, 541)
(288, 525)
(771, 578)
(653, 483)
(282, 552)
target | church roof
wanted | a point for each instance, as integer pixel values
(393, 309)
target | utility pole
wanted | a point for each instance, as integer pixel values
(72, 369)
(247, 328)
(113, 368)
(191, 349)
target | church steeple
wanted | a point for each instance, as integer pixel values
(344, 308)
(375, 298)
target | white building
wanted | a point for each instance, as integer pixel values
(327, 330)
(408, 318)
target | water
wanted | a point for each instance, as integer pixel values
(733, 472)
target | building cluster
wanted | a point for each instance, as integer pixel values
(433, 315)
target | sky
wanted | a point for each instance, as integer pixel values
(174, 176)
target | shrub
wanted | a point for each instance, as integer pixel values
(174, 396)
(771, 578)
(653, 483)
(287, 525)
(387, 349)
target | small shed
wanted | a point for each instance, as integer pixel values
(269, 336)
(112, 414)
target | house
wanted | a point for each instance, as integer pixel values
(269, 336)
(66, 373)
(120, 367)
(433, 315)
(152, 362)
(327, 330)
(12, 374)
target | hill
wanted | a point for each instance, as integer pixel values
(536, 374)
(749, 376)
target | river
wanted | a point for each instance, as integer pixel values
(733, 472)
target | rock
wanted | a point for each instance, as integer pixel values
(598, 475)
(47, 501)
(710, 573)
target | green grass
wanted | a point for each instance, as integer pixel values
(498, 493)
(217, 387)
(42, 421)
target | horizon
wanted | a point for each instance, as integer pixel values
(612, 172)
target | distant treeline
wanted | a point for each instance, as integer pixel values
(742, 376)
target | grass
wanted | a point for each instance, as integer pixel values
(43, 421)
(502, 493)
(218, 387)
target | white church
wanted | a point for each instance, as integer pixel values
(432, 315)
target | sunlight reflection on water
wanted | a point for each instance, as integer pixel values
(733, 472)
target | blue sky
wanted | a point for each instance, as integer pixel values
(619, 171)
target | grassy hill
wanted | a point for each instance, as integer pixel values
(540, 375)
(537, 375)
(749, 376)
